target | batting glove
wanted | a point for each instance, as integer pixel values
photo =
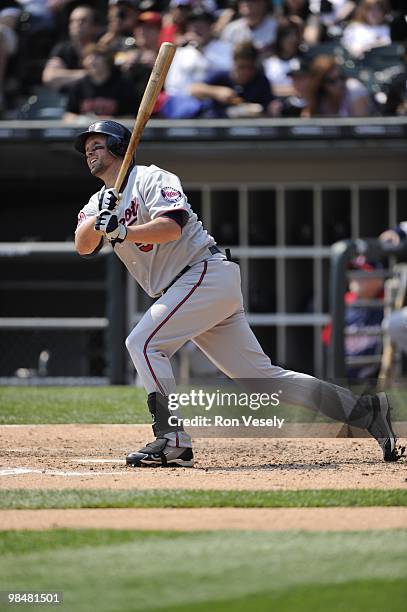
(108, 199)
(108, 223)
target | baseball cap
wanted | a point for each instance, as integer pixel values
(151, 17)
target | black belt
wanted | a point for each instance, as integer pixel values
(213, 250)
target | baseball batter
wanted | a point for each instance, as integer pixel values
(164, 246)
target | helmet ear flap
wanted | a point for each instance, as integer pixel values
(116, 146)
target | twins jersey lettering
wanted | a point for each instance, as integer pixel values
(149, 193)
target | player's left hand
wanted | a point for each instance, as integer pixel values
(108, 199)
(108, 223)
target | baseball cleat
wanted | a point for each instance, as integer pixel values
(159, 453)
(381, 428)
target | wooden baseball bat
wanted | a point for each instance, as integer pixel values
(148, 101)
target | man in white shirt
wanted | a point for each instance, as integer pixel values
(254, 24)
(203, 55)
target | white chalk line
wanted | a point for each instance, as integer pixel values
(24, 471)
(80, 460)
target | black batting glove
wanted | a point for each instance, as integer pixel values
(108, 199)
(108, 223)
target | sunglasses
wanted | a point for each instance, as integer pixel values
(333, 80)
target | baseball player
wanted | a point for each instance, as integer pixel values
(158, 237)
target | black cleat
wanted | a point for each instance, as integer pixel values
(159, 453)
(381, 428)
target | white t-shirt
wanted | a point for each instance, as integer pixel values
(191, 65)
(360, 37)
(276, 70)
(327, 18)
(263, 36)
(149, 193)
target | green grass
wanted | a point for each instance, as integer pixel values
(366, 595)
(181, 498)
(218, 571)
(19, 405)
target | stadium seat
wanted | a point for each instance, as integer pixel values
(380, 58)
(43, 103)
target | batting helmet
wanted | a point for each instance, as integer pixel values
(118, 137)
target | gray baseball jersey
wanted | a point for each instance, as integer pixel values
(149, 193)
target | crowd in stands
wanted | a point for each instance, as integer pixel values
(76, 60)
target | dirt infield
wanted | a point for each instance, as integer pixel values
(92, 456)
(192, 519)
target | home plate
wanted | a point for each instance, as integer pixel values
(98, 461)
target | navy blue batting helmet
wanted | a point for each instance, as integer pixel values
(118, 137)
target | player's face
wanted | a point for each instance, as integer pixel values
(98, 157)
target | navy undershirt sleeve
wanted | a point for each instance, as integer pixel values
(179, 216)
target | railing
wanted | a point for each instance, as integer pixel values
(113, 322)
(341, 254)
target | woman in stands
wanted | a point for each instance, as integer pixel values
(285, 58)
(331, 94)
(370, 28)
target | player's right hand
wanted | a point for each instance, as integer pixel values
(108, 223)
(108, 199)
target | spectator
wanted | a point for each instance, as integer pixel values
(254, 24)
(357, 317)
(147, 36)
(104, 91)
(201, 57)
(331, 94)
(175, 22)
(223, 17)
(122, 18)
(295, 104)
(332, 13)
(284, 59)
(370, 28)
(245, 83)
(299, 12)
(296, 8)
(63, 68)
(8, 46)
(44, 15)
(138, 61)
